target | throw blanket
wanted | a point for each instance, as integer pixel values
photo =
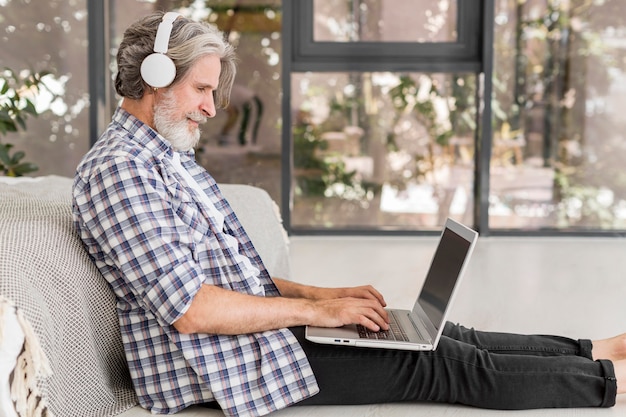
(31, 364)
(46, 272)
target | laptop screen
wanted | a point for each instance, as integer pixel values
(444, 271)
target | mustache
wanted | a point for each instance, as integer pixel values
(197, 117)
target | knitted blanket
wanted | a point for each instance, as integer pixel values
(30, 363)
(46, 272)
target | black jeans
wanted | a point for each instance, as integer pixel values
(482, 369)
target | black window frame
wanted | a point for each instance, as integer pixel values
(461, 55)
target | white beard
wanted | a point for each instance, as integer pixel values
(176, 131)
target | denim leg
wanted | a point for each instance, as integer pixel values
(511, 343)
(459, 372)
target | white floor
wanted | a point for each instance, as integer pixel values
(568, 286)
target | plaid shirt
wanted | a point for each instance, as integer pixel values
(156, 243)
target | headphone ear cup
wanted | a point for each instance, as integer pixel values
(158, 70)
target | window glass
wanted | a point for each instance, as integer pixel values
(50, 36)
(384, 21)
(243, 143)
(558, 144)
(382, 150)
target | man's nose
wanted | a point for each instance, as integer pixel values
(208, 107)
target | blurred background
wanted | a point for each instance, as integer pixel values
(382, 141)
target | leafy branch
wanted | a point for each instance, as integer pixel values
(16, 95)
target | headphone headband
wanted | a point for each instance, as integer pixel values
(164, 31)
(158, 70)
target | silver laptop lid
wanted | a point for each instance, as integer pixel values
(447, 266)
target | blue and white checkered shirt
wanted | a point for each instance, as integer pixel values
(156, 243)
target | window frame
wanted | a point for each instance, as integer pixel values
(464, 55)
(472, 52)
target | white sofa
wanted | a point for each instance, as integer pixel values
(45, 272)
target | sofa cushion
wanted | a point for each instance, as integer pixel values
(261, 219)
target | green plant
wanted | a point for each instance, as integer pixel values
(406, 96)
(16, 94)
(10, 165)
(320, 176)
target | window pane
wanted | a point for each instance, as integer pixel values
(50, 36)
(382, 150)
(242, 144)
(385, 21)
(559, 147)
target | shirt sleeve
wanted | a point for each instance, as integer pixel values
(135, 217)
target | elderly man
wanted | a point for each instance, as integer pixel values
(201, 319)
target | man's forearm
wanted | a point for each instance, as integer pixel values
(219, 311)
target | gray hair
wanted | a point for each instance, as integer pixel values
(188, 42)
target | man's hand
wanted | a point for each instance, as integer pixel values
(336, 307)
(335, 312)
(295, 290)
(365, 291)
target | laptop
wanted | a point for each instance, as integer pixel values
(420, 328)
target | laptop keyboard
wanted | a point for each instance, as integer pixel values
(394, 332)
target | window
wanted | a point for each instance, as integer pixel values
(558, 143)
(56, 35)
(453, 43)
(383, 115)
(354, 21)
(382, 150)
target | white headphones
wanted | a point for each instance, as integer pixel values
(157, 69)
